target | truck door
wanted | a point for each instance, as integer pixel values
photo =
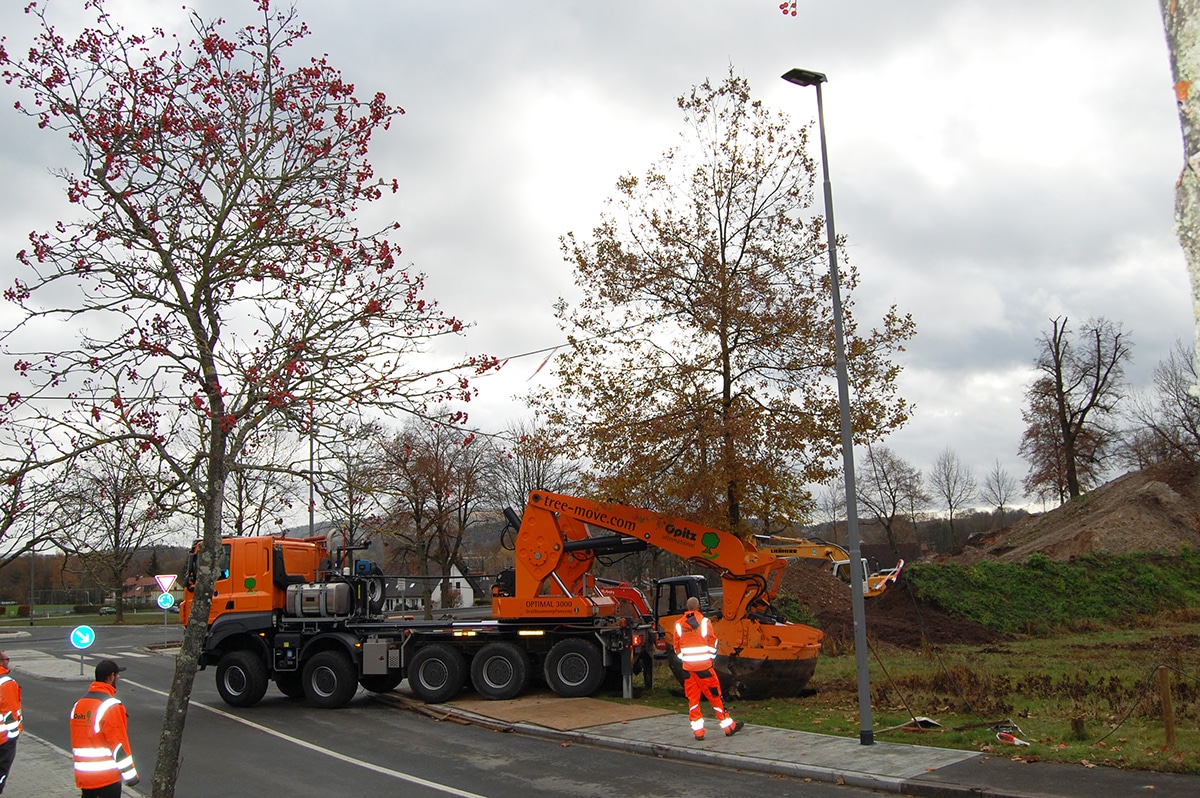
(246, 586)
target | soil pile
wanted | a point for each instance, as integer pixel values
(1157, 509)
(895, 617)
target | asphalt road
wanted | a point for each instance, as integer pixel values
(367, 749)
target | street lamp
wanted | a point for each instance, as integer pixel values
(866, 734)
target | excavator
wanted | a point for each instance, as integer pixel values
(759, 653)
(838, 558)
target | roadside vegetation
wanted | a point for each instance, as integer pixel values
(1089, 645)
(64, 615)
(1044, 596)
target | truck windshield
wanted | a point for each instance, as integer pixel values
(192, 566)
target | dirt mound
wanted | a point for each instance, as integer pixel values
(895, 617)
(1157, 509)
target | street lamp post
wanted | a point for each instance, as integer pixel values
(866, 734)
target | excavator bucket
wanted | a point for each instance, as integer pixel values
(760, 660)
(753, 679)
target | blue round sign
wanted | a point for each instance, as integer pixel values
(82, 636)
(166, 601)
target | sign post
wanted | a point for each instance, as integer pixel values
(165, 599)
(81, 638)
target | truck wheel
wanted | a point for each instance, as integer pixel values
(500, 671)
(241, 679)
(376, 593)
(329, 680)
(381, 683)
(290, 683)
(436, 673)
(574, 668)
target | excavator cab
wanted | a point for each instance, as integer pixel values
(671, 595)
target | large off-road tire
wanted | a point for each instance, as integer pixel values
(241, 679)
(290, 683)
(574, 668)
(500, 671)
(330, 680)
(381, 683)
(436, 673)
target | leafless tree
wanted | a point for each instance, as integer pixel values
(954, 483)
(892, 490)
(831, 507)
(1072, 404)
(528, 458)
(1166, 420)
(349, 477)
(262, 489)
(999, 488)
(434, 481)
(107, 512)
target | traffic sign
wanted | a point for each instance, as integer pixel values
(166, 601)
(82, 637)
(165, 581)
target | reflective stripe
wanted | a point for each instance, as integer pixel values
(92, 752)
(105, 705)
(95, 767)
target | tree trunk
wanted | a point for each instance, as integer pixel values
(187, 662)
(1181, 20)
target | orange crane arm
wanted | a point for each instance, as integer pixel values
(553, 552)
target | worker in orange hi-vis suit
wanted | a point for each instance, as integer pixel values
(100, 737)
(10, 719)
(696, 645)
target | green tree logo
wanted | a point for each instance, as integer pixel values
(710, 541)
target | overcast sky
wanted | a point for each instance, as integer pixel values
(993, 165)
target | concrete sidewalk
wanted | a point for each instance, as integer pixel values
(888, 767)
(43, 770)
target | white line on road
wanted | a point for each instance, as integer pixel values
(310, 746)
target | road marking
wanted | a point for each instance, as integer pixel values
(310, 746)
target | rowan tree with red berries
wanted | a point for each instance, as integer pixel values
(214, 280)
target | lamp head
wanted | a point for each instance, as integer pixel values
(803, 77)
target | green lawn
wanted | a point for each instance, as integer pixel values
(1083, 697)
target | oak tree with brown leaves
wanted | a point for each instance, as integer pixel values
(699, 380)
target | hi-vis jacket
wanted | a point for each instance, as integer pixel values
(10, 707)
(695, 647)
(100, 739)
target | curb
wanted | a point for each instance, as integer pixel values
(447, 712)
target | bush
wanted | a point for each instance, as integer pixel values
(794, 610)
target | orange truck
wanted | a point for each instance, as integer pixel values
(308, 615)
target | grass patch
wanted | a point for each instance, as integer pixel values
(1044, 596)
(67, 618)
(1089, 696)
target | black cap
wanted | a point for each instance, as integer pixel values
(106, 668)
